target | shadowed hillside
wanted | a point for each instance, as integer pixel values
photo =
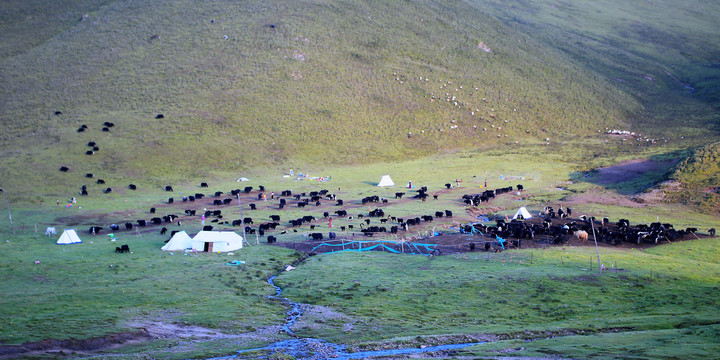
(663, 53)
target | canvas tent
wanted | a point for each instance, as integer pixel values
(386, 181)
(214, 241)
(69, 236)
(179, 242)
(522, 211)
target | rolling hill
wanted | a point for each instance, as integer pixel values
(243, 85)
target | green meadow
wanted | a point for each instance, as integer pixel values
(86, 290)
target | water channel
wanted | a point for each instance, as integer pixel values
(317, 349)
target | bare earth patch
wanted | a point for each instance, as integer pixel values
(631, 169)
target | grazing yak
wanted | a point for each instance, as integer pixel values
(100, 181)
(64, 169)
(159, 116)
(203, 184)
(132, 187)
(168, 188)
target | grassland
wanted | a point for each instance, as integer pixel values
(339, 84)
(74, 292)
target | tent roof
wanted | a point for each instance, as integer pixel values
(522, 211)
(386, 181)
(216, 236)
(69, 236)
(180, 241)
(221, 240)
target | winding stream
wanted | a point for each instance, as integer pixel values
(318, 349)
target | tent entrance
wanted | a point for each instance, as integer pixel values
(208, 247)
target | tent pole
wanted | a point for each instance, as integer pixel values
(242, 220)
(9, 214)
(592, 224)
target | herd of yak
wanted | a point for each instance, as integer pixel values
(552, 228)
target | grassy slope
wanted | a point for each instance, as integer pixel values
(319, 86)
(699, 176)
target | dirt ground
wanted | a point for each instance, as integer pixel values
(451, 241)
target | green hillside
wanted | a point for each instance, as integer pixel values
(342, 82)
(250, 84)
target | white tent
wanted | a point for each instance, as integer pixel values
(522, 211)
(386, 181)
(69, 236)
(214, 241)
(179, 242)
